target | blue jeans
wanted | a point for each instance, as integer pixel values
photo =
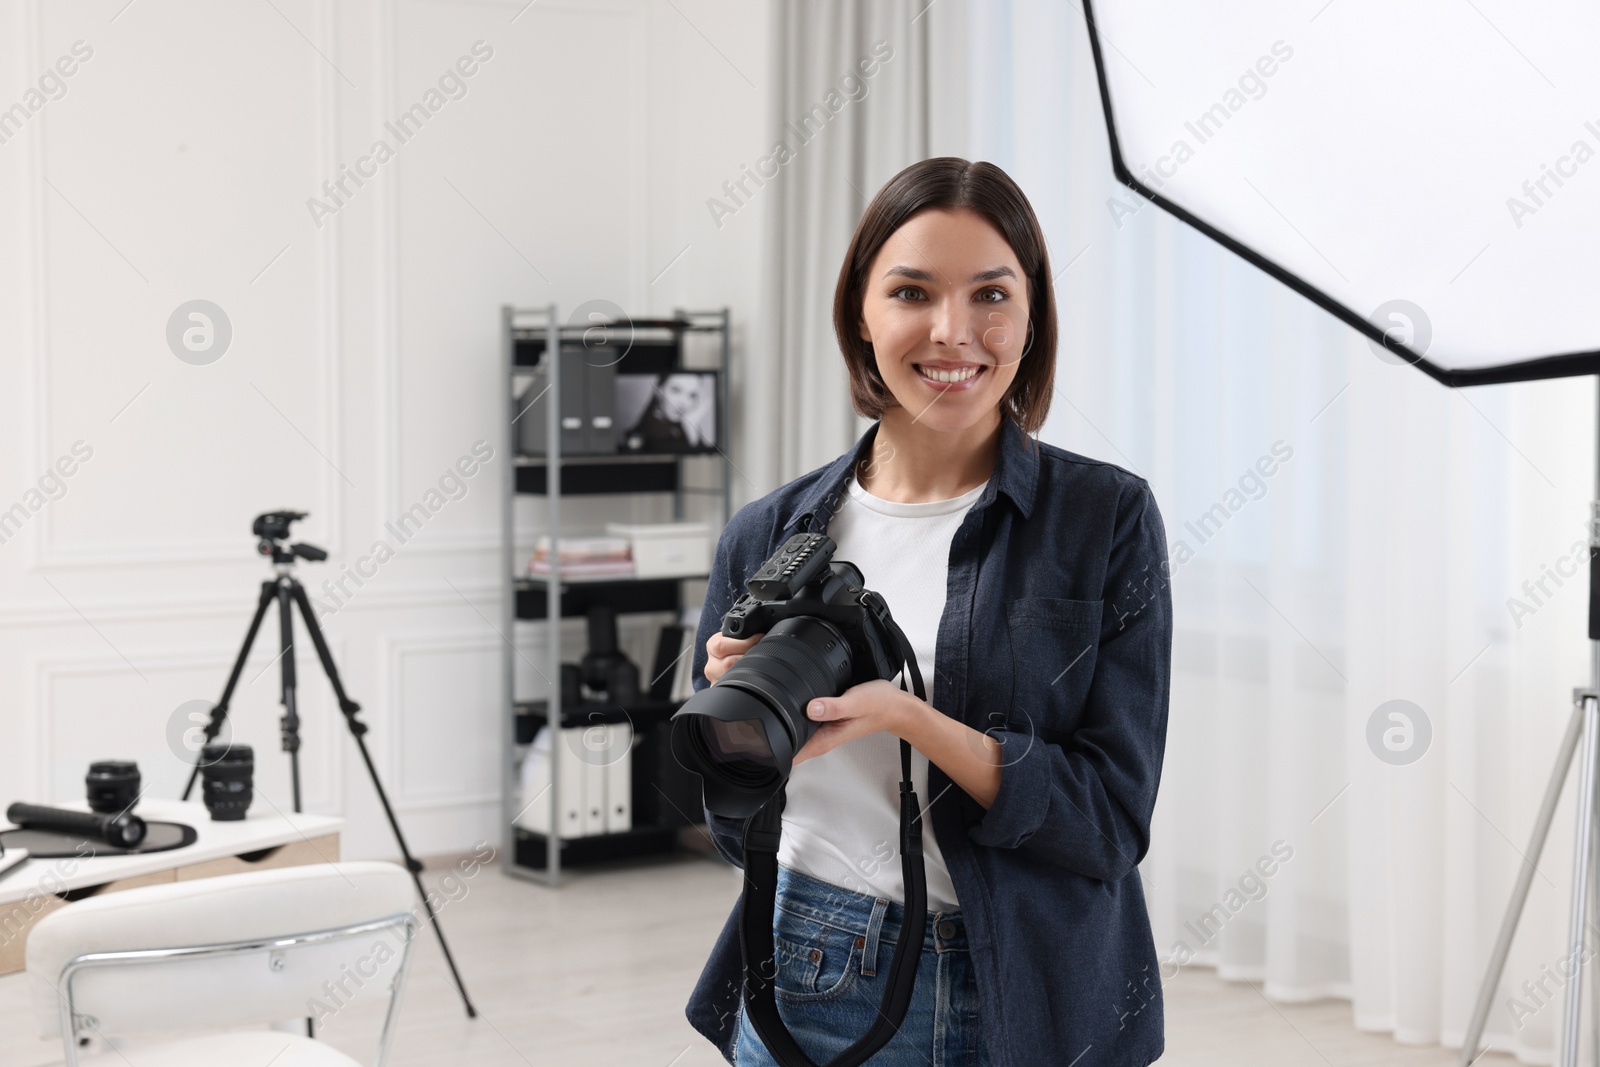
(833, 950)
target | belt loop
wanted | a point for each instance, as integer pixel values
(869, 952)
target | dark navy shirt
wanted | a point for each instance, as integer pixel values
(1056, 640)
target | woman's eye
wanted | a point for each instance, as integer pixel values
(992, 295)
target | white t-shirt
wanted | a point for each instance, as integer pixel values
(841, 820)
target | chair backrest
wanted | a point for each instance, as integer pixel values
(257, 947)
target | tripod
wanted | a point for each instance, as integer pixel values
(1585, 907)
(273, 528)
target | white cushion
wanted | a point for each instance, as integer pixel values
(218, 1050)
(254, 905)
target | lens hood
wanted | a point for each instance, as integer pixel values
(731, 702)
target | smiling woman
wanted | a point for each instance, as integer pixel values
(912, 332)
(1039, 748)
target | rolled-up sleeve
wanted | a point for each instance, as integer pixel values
(1086, 803)
(726, 834)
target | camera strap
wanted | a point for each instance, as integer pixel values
(759, 904)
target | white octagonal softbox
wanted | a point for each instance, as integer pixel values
(1427, 171)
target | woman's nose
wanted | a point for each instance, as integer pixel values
(952, 323)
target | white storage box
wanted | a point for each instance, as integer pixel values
(668, 549)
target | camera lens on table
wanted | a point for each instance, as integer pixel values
(225, 780)
(113, 786)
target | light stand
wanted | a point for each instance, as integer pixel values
(1585, 908)
(273, 528)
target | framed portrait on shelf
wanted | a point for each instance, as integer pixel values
(672, 412)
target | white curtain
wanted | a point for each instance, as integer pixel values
(1374, 563)
(845, 133)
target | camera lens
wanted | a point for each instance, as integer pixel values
(225, 785)
(740, 741)
(113, 786)
(741, 734)
(737, 750)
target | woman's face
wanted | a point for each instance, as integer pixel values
(682, 394)
(946, 310)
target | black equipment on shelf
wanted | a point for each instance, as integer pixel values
(571, 684)
(603, 652)
(669, 649)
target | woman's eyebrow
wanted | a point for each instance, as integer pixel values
(927, 276)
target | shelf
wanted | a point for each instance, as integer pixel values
(539, 581)
(643, 355)
(642, 714)
(597, 475)
(600, 458)
(579, 329)
(625, 595)
(665, 797)
(596, 848)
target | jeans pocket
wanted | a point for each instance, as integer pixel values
(816, 962)
(797, 966)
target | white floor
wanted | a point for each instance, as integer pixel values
(597, 973)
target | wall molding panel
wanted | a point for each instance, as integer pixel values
(574, 166)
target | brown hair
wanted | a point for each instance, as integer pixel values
(950, 183)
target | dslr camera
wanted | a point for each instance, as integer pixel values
(824, 632)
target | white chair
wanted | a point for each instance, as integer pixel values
(212, 953)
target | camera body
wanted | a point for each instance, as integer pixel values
(824, 632)
(801, 579)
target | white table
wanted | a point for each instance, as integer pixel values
(263, 839)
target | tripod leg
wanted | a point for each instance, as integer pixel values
(1580, 880)
(220, 712)
(290, 723)
(1519, 893)
(358, 731)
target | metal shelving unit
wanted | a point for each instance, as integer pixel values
(657, 345)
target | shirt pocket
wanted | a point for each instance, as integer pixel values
(1054, 643)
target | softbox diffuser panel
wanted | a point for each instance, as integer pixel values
(1427, 171)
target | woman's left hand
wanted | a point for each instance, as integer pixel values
(858, 711)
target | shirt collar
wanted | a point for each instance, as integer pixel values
(1016, 473)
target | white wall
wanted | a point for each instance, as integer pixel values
(176, 165)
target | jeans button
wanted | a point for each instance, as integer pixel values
(946, 929)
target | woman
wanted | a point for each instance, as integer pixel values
(1031, 583)
(673, 420)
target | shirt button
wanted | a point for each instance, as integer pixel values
(946, 929)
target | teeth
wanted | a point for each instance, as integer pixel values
(947, 375)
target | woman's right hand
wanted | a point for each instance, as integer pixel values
(723, 651)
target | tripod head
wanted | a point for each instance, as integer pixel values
(272, 527)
